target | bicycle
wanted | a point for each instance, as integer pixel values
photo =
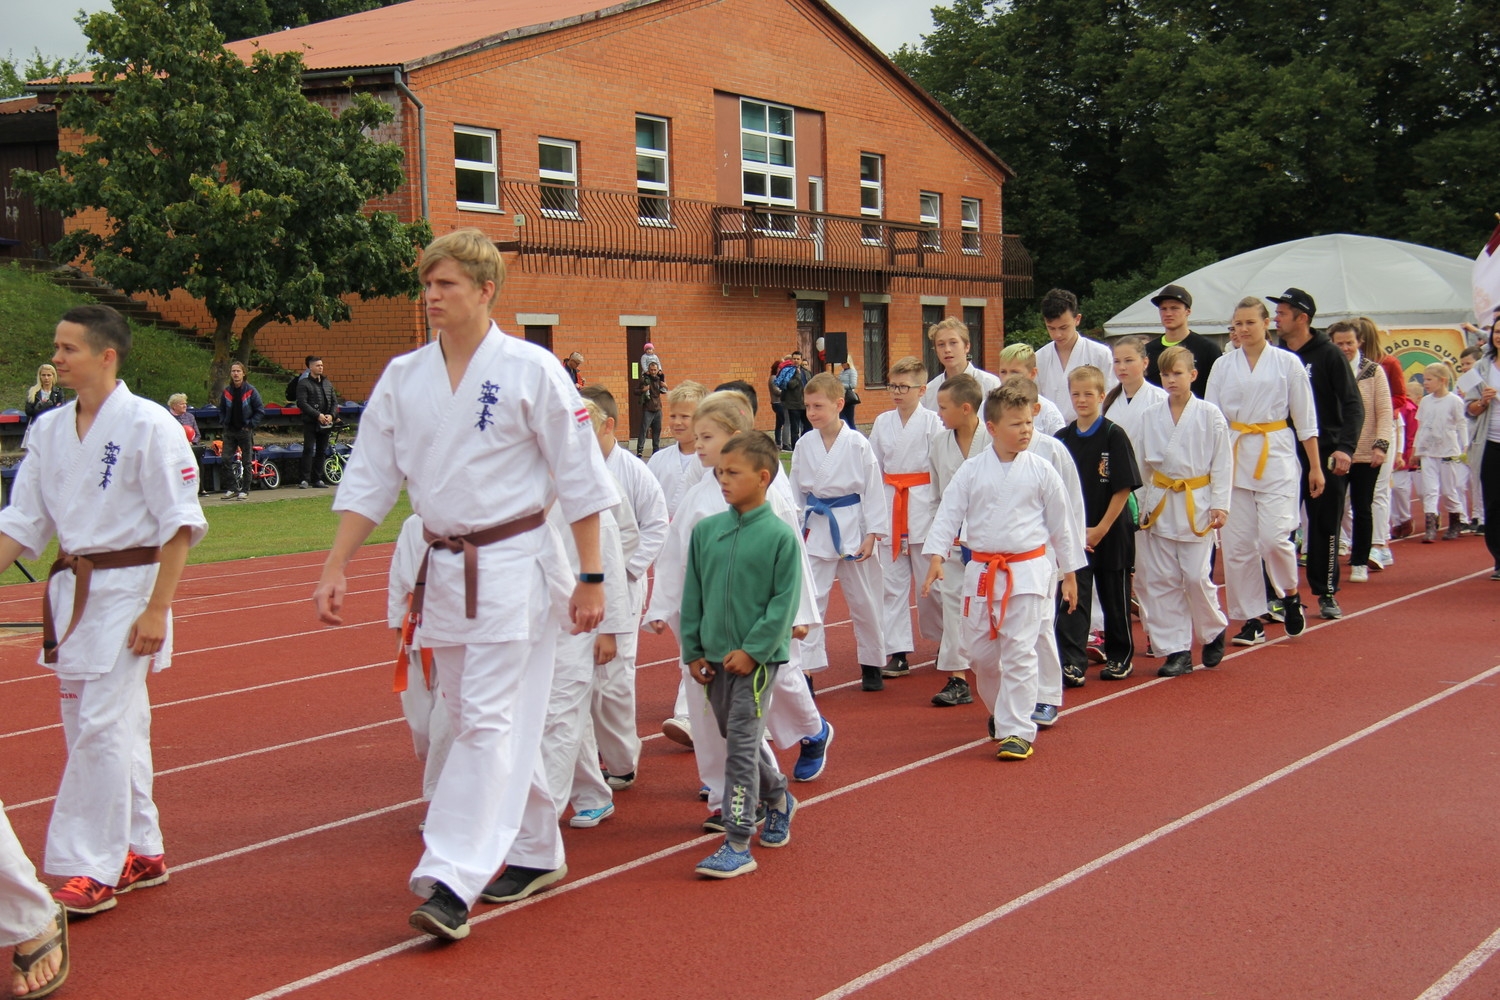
(265, 474)
(333, 465)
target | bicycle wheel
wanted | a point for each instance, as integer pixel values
(333, 469)
(270, 474)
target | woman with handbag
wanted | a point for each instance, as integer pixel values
(849, 376)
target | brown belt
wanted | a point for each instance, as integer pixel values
(469, 545)
(83, 570)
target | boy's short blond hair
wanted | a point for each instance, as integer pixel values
(909, 365)
(469, 249)
(685, 392)
(963, 389)
(596, 414)
(827, 385)
(1440, 368)
(726, 408)
(1008, 397)
(949, 325)
(1087, 373)
(1176, 357)
(1021, 354)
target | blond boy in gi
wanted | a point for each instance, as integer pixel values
(1020, 359)
(950, 342)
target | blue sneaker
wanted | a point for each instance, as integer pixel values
(703, 791)
(778, 829)
(726, 862)
(585, 818)
(813, 756)
(1043, 716)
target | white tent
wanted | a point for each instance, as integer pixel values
(1398, 285)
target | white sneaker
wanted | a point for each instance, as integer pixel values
(1381, 555)
(1359, 574)
(679, 730)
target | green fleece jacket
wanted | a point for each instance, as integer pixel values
(744, 579)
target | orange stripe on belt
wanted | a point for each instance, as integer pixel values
(999, 562)
(903, 482)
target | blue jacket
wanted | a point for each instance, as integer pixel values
(246, 395)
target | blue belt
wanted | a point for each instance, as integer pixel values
(820, 505)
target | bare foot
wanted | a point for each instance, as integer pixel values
(47, 967)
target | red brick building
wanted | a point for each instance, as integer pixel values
(725, 178)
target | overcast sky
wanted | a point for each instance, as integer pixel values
(49, 25)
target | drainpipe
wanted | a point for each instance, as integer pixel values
(421, 135)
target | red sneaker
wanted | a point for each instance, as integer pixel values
(82, 895)
(142, 871)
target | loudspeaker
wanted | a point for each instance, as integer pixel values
(835, 348)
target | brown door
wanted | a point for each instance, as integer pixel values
(636, 338)
(931, 315)
(974, 320)
(809, 329)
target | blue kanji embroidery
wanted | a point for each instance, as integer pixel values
(488, 396)
(111, 456)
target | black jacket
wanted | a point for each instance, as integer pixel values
(1341, 412)
(1205, 353)
(316, 396)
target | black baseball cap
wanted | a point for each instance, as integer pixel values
(1298, 300)
(1173, 292)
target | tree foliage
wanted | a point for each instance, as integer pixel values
(247, 18)
(13, 74)
(221, 179)
(1143, 130)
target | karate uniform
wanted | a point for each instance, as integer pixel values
(1052, 374)
(901, 450)
(26, 908)
(846, 469)
(1048, 420)
(131, 482)
(509, 440)
(987, 384)
(676, 472)
(1049, 661)
(1009, 508)
(422, 701)
(945, 459)
(1263, 508)
(1173, 573)
(1128, 411)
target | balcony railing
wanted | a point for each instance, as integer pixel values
(583, 230)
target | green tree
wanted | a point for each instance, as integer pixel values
(247, 18)
(223, 180)
(13, 74)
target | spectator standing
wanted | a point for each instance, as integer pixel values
(1174, 304)
(45, 394)
(319, 404)
(793, 381)
(291, 387)
(849, 377)
(780, 435)
(240, 410)
(1370, 465)
(1484, 443)
(653, 387)
(574, 364)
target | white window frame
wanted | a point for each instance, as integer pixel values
(931, 240)
(774, 225)
(873, 235)
(970, 226)
(655, 189)
(492, 168)
(558, 180)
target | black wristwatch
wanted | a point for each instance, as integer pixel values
(590, 577)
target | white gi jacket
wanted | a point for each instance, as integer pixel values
(1052, 377)
(675, 475)
(847, 468)
(1197, 445)
(987, 384)
(1276, 389)
(900, 449)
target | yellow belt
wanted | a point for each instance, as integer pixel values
(1183, 486)
(1265, 431)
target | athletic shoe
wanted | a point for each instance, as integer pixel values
(1042, 715)
(1151, 652)
(229, 495)
(141, 872)
(1116, 671)
(726, 862)
(679, 730)
(778, 829)
(955, 692)
(1013, 748)
(1213, 651)
(1401, 530)
(870, 678)
(1495, 575)
(619, 782)
(1431, 533)
(1253, 634)
(517, 883)
(242, 496)
(1359, 574)
(320, 485)
(1454, 527)
(1177, 664)
(1275, 610)
(703, 791)
(991, 727)
(896, 666)
(444, 915)
(81, 895)
(1328, 607)
(1073, 677)
(302, 485)
(715, 821)
(1382, 557)
(812, 756)
(1475, 527)
(586, 818)
(1291, 608)
(1095, 647)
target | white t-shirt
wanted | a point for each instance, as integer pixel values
(1492, 379)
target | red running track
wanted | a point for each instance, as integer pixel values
(1316, 818)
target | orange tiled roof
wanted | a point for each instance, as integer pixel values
(416, 31)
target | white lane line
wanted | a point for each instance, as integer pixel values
(241, 592)
(288, 838)
(1467, 966)
(979, 923)
(261, 607)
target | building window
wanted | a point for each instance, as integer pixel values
(558, 159)
(931, 316)
(931, 215)
(970, 225)
(876, 350)
(539, 335)
(871, 194)
(476, 169)
(768, 162)
(974, 320)
(651, 184)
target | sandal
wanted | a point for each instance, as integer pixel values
(22, 964)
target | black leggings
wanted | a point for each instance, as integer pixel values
(1489, 484)
(1362, 476)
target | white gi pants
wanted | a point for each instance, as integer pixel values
(491, 804)
(427, 717)
(1258, 530)
(899, 575)
(1444, 486)
(104, 805)
(1381, 508)
(1005, 668)
(573, 775)
(26, 908)
(952, 657)
(1049, 681)
(1174, 582)
(1401, 486)
(864, 593)
(614, 726)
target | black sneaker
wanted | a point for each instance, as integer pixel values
(1073, 677)
(955, 692)
(715, 821)
(1291, 608)
(1177, 664)
(870, 679)
(1274, 610)
(1213, 652)
(896, 666)
(1328, 607)
(444, 915)
(1253, 634)
(516, 883)
(1115, 671)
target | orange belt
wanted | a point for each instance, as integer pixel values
(1265, 431)
(83, 570)
(408, 634)
(903, 482)
(1000, 562)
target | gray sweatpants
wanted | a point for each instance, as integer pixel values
(751, 775)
